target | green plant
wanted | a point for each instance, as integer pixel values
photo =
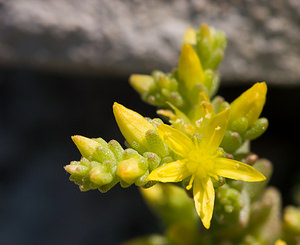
(204, 152)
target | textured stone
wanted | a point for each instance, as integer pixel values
(121, 37)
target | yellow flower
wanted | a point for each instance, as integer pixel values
(202, 160)
(249, 105)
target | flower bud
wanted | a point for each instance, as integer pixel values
(249, 104)
(77, 169)
(231, 141)
(189, 67)
(156, 144)
(131, 169)
(153, 160)
(190, 36)
(86, 146)
(291, 220)
(141, 83)
(210, 46)
(257, 129)
(94, 149)
(100, 176)
(133, 126)
(117, 149)
(240, 125)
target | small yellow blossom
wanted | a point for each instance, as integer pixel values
(249, 105)
(201, 161)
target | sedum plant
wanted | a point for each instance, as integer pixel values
(194, 165)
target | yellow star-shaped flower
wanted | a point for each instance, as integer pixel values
(202, 160)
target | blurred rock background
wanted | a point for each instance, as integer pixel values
(121, 37)
(63, 63)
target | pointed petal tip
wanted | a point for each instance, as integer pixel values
(261, 177)
(154, 177)
(116, 105)
(206, 224)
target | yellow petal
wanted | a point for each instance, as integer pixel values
(189, 67)
(179, 114)
(203, 110)
(214, 132)
(171, 172)
(167, 113)
(204, 197)
(132, 125)
(202, 107)
(237, 170)
(175, 140)
(249, 104)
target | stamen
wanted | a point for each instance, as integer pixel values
(190, 185)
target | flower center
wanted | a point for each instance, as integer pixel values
(199, 164)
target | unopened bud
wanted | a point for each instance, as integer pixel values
(240, 125)
(77, 169)
(116, 148)
(291, 220)
(100, 176)
(249, 104)
(153, 160)
(141, 83)
(231, 141)
(190, 36)
(257, 129)
(189, 67)
(131, 169)
(156, 144)
(210, 46)
(133, 126)
(86, 146)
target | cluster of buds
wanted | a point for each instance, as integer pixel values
(244, 122)
(158, 88)
(104, 164)
(201, 53)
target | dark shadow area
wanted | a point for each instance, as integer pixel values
(39, 113)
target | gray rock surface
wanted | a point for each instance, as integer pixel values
(121, 37)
